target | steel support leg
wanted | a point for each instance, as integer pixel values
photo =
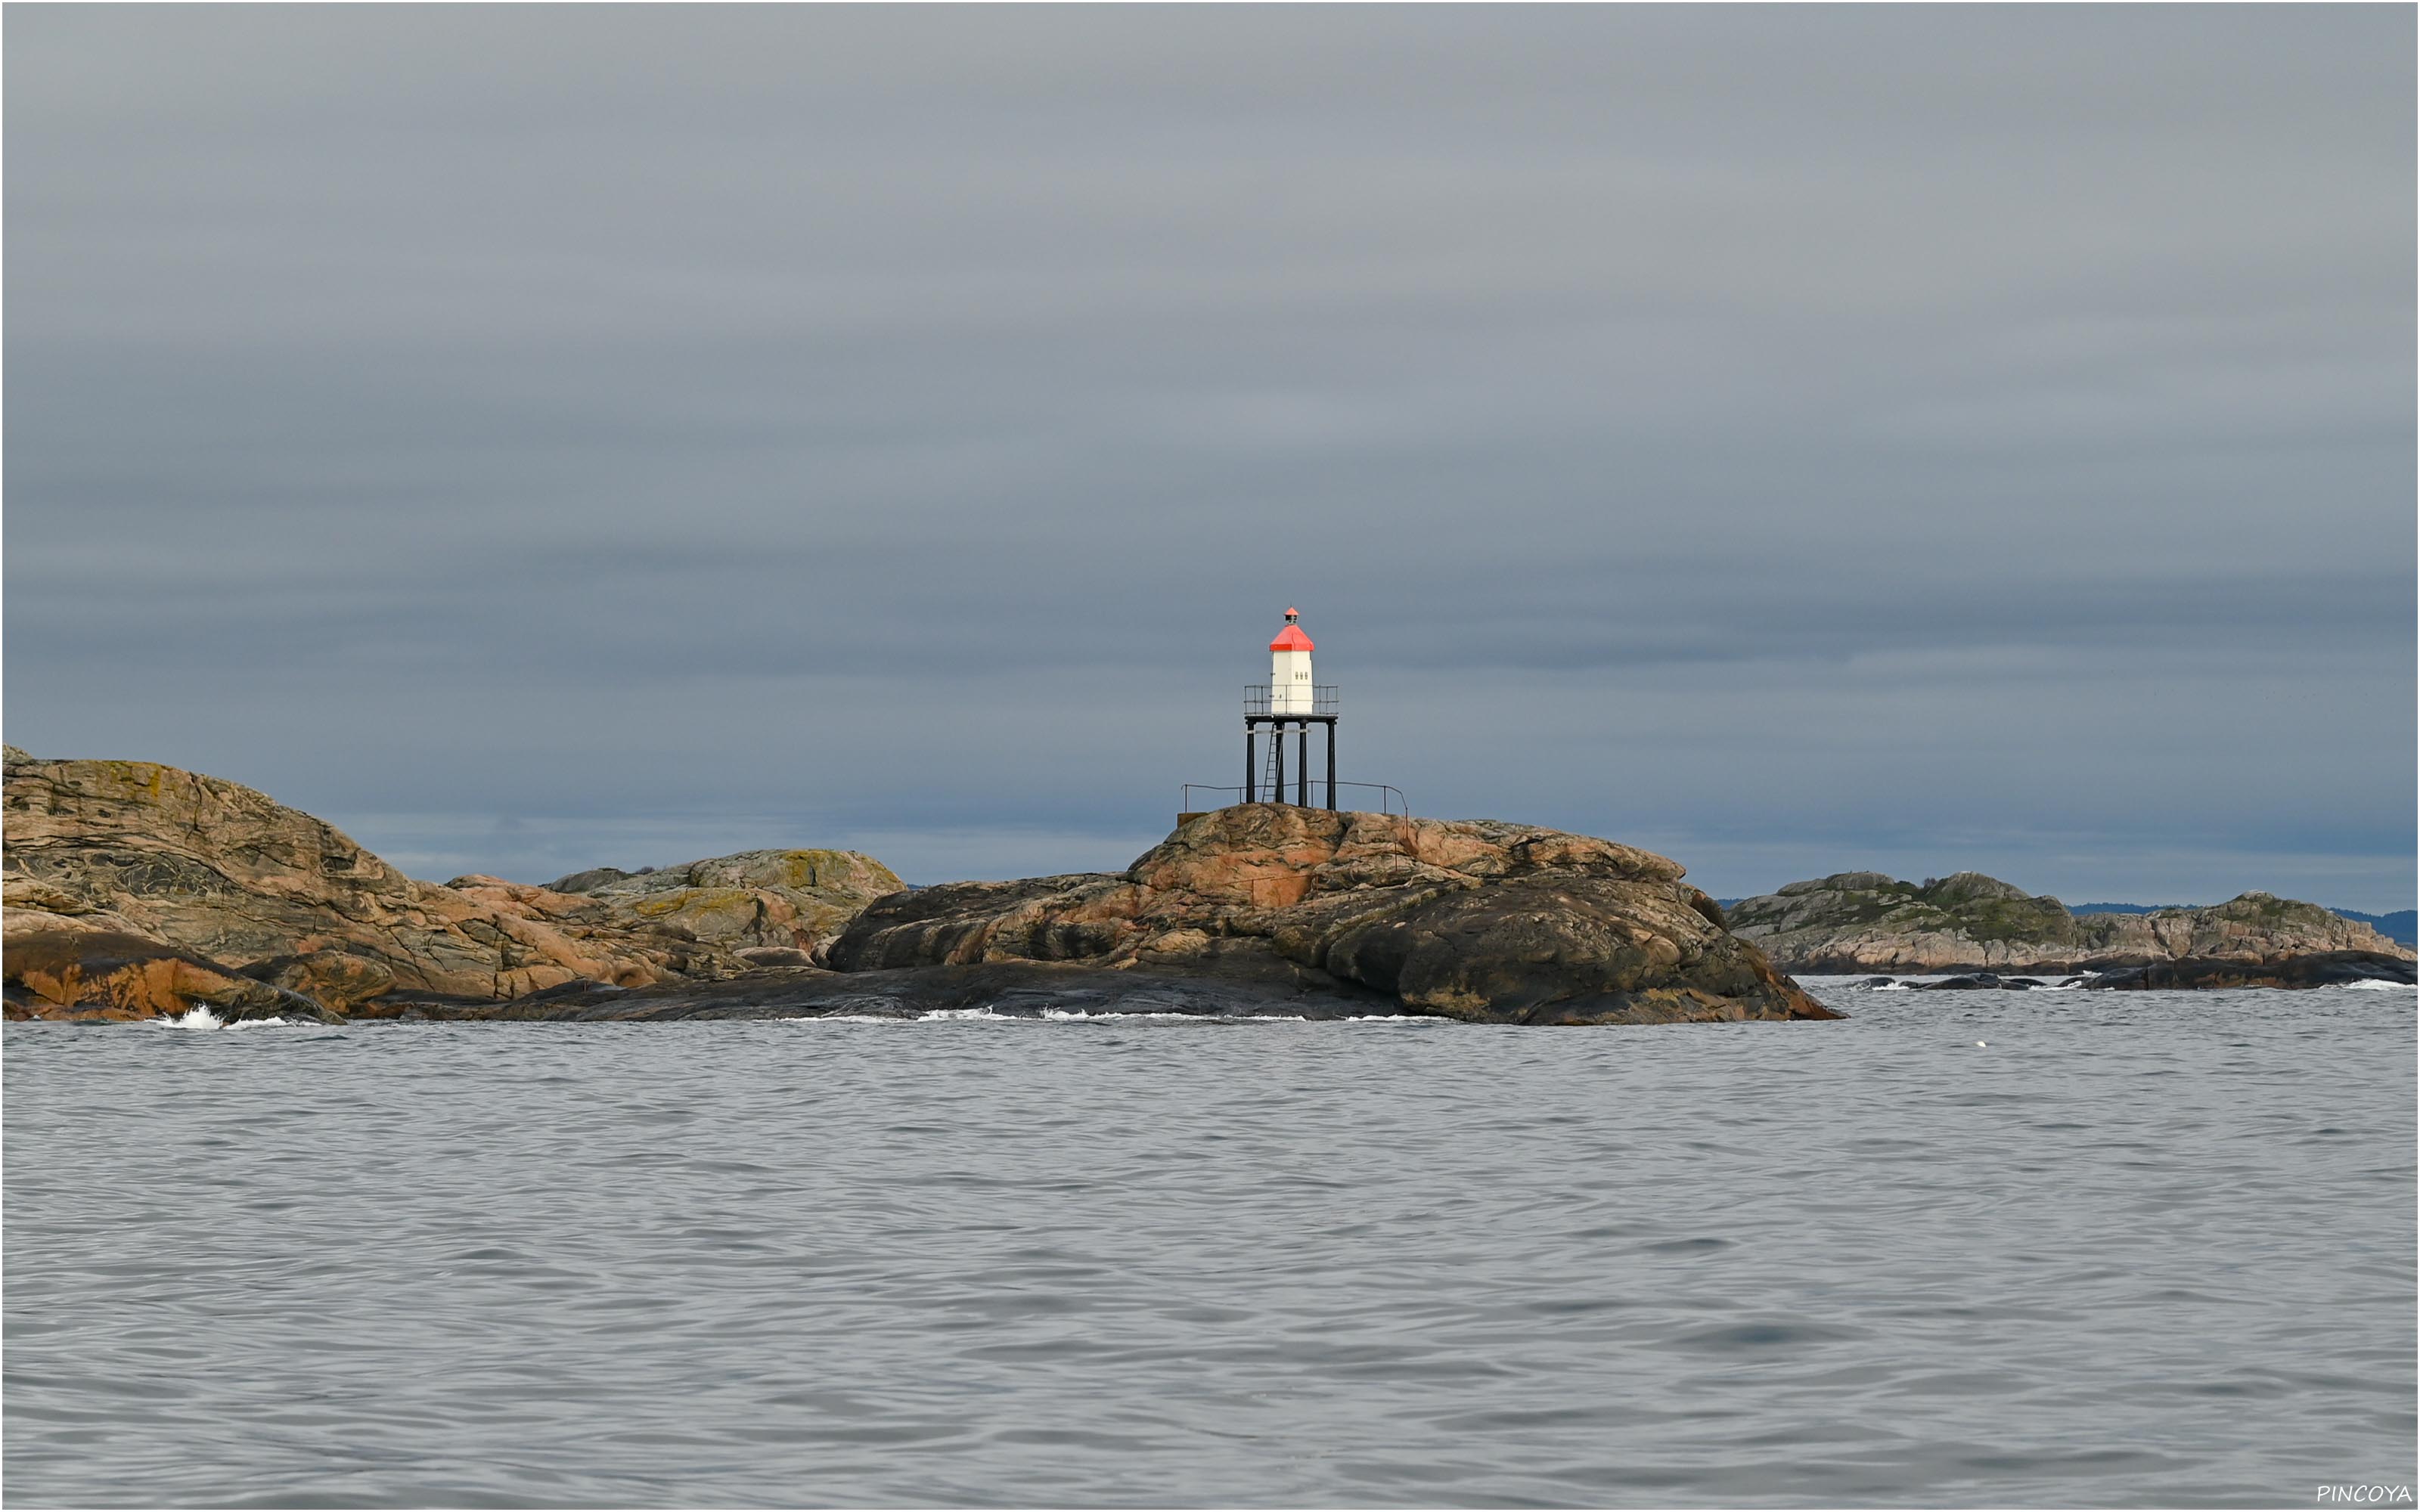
(1331, 766)
(1250, 775)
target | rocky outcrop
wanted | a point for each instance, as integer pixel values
(134, 889)
(1479, 920)
(1863, 921)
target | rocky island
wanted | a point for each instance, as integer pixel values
(132, 889)
(135, 890)
(1856, 922)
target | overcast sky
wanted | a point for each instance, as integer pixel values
(1792, 439)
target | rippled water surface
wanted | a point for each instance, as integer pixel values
(2136, 1248)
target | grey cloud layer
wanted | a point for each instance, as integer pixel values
(1788, 428)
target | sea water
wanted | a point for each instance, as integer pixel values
(2013, 1248)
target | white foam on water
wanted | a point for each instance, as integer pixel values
(199, 1016)
(1053, 1015)
(2376, 984)
(1048, 1016)
(1077, 1015)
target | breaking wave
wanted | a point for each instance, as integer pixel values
(1073, 1015)
(199, 1016)
(989, 1014)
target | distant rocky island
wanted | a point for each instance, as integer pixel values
(1858, 922)
(2402, 926)
(135, 890)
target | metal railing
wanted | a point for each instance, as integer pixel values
(1390, 798)
(1257, 700)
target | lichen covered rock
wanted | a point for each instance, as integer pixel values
(782, 899)
(1861, 921)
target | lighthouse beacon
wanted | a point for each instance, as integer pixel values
(1289, 684)
(1279, 718)
(1288, 705)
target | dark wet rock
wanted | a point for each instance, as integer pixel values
(2331, 969)
(1007, 989)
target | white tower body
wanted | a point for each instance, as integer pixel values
(1289, 684)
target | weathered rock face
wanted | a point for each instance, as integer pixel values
(129, 883)
(1861, 921)
(64, 954)
(1479, 921)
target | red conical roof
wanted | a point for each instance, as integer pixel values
(1291, 638)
